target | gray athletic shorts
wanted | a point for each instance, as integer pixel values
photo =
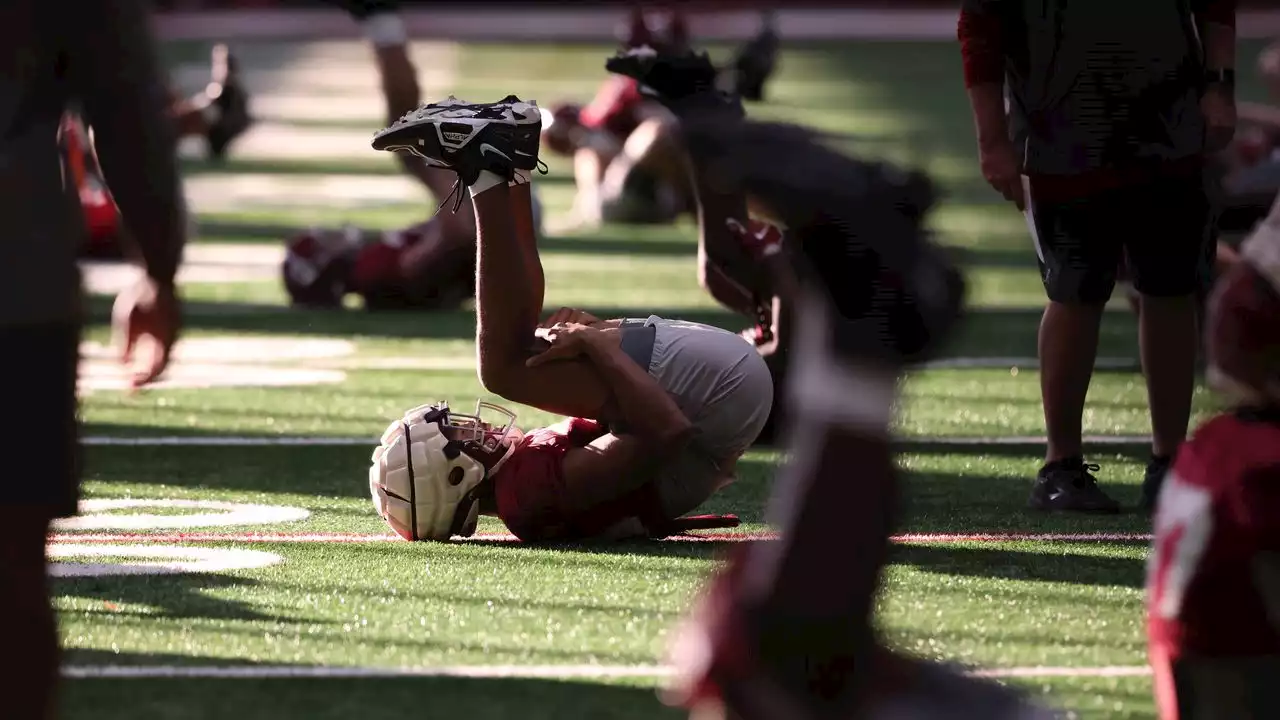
(719, 382)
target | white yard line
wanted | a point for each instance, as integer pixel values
(497, 671)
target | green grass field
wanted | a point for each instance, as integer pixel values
(538, 620)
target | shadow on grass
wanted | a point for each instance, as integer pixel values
(342, 699)
(166, 596)
(1004, 564)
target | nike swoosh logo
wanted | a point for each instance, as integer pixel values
(486, 147)
(1055, 496)
(525, 154)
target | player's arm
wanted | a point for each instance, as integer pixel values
(115, 70)
(615, 464)
(1216, 23)
(981, 33)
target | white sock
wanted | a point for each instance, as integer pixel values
(487, 181)
(521, 177)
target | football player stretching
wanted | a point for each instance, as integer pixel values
(1213, 578)
(659, 410)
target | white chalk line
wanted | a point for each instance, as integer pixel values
(94, 514)
(498, 671)
(341, 441)
(164, 560)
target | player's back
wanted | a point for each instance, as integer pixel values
(1208, 619)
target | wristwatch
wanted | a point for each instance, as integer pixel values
(1220, 76)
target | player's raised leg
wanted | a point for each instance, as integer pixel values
(489, 146)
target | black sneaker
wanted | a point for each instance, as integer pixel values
(465, 137)
(1152, 481)
(228, 95)
(682, 81)
(756, 60)
(1070, 488)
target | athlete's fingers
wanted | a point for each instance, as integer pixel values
(555, 352)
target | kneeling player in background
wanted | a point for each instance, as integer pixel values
(784, 633)
(672, 405)
(428, 266)
(1213, 582)
(219, 113)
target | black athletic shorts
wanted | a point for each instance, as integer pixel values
(361, 9)
(41, 440)
(1164, 228)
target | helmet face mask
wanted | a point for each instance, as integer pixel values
(473, 430)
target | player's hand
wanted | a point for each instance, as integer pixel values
(567, 341)
(1218, 105)
(152, 311)
(999, 163)
(569, 315)
(760, 239)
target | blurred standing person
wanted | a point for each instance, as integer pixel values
(101, 57)
(1101, 144)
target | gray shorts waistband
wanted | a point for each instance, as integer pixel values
(637, 338)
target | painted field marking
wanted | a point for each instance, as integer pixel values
(345, 441)
(165, 560)
(95, 517)
(224, 361)
(500, 671)
(276, 537)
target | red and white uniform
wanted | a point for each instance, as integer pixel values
(1219, 509)
(615, 109)
(530, 490)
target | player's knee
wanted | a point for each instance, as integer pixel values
(1089, 289)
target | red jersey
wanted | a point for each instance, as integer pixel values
(531, 493)
(1220, 508)
(615, 108)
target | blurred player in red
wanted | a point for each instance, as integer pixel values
(785, 631)
(426, 266)
(629, 161)
(1213, 581)
(101, 58)
(219, 113)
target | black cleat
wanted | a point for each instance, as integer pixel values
(1070, 488)
(1152, 481)
(683, 81)
(755, 62)
(467, 138)
(228, 96)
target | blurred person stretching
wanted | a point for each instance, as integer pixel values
(1213, 578)
(101, 56)
(1102, 144)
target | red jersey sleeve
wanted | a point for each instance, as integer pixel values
(1257, 506)
(530, 488)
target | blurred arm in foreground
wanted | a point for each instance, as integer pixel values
(113, 69)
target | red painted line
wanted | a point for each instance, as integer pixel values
(909, 538)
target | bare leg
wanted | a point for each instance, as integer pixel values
(1169, 341)
(1068, 346)
(526, 235)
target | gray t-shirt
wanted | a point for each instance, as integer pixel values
(1098, 84)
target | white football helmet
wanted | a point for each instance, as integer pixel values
(429, 467)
